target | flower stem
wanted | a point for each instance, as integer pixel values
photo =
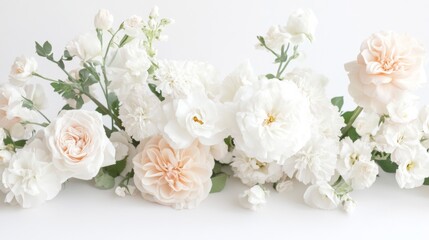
(100, 105)
(352, 119)
(42, 77)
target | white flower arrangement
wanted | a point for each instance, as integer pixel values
(174, 131)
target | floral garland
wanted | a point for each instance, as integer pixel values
(175, 132)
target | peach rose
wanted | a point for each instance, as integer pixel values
(388, 67)
(172, 177)
(79, 144)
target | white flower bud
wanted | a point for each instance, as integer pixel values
(103, 20)
(22, 69)
(152, 24)
(154, 13)
(254, 198)
(120, 191)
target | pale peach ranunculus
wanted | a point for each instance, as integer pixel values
(387, 68)
(179, 178)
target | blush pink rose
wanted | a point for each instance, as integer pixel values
(172, 177)
(387, 68)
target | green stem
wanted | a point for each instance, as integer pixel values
(35, 123)
(43, 115)
(42, 77)
(100, 105)
(352, 119)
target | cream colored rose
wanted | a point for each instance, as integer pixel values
(79, 144)
(176, 178)
(388, 67)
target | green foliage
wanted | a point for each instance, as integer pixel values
(104, 181)
(157, 94)
(229, 141)
(45, 50)
(387, 165)
(426, 182)
(218, 182)
(270, 76)
(351, 132)
(338, 102)
(116, 169)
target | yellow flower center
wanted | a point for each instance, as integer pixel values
(197, 120)
(270, 119)
(354, 158)
(410, 166)
(19, 70)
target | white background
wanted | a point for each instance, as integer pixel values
(221, 32)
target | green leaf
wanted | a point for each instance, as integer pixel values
(113, 102)
(20, 143)
(387, 165)
(64, 89)
(338, 102)
(47, 48)
(217, 168)
(229, 141)
(39, 50)
(116, 169)
(67, 107)
(61, 64)
(104, 180)
(157, 94)
(8, 140)
(102, 111)
(126, 39)
(27, 103)
(426, 182)
(270, 76)
(261, 40)
(218, 182)
(67, 56)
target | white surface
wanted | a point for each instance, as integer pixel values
(223, 33)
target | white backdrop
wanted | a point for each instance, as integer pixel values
(221, 32)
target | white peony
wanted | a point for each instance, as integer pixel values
(321, 195)
(139, 112)
(127, 67)
(31, 178)
(413, 166)
(301, 25)
(315, 162)
(133, 26)
(355, 164)
(392, 136)
(193, 118)
(103, 20)
(251, 171)
(22, 69)
(87, 47)
(367, 124)
(243, 75)
(78, 143)
(254, 198)
(273, 120)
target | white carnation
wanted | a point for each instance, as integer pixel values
(315, 162)
(22, 69)
(254, 198)
(138, 112)
(127, 67)
(31, 177)
(273, 120)
(251, 171)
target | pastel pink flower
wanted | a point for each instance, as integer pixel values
(173, 177)
(388, 67)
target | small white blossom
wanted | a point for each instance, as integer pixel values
(413, 166)
(133, 26)
(392, 136)
(120, 191)
(254, 198)
(367, 124)
(251, 171)
(22, 69)
(154, 13)
(103, 20)
(121, 142)
(301, 25)
(87, 47)
(348, 204)
(403, 110)
(321, 195)
(284, 184)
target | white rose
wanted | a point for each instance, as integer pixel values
(254, 198)
(79, 144)
(301, 24)
(103, 20)
(31, 177)
(196, 117)
(87, 47)
(413, 166)
(22, 69)
(403, 110)
(264, 127)
(133, 26)
(321, 195)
